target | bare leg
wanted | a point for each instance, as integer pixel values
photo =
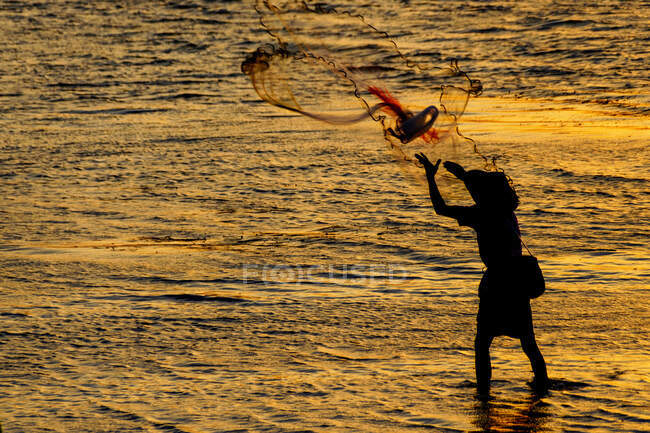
(482, 361)
(529, 345)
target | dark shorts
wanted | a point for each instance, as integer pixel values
(503, 309)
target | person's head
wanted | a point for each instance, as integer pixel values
(491, 190)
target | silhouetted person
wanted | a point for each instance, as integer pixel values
(504, 309)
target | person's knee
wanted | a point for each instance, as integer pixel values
(529, 345)
(482, 342)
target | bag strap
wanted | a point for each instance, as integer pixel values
(518, 233)
(524, 244)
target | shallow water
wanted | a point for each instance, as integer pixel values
(178, 256)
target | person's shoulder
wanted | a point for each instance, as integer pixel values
(468, 216)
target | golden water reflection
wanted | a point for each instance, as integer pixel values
(528, 416)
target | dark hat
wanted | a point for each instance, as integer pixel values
(491, 188)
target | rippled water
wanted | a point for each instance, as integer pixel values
(178, 256)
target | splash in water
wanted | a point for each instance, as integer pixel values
(333, 66)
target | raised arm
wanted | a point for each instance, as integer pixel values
(438, 202)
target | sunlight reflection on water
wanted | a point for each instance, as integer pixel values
(141, 179)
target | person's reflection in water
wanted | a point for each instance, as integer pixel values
(504, 309)
(525, 417)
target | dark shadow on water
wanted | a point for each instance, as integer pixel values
(565, 385)
(185, 297)
(527, 416)
(190, 297)
(491, 414)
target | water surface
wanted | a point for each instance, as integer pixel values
(178, 256)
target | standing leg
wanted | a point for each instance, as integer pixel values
(529, 345)
(482, 361)
(483, 340)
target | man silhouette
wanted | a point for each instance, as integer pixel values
(504, 308)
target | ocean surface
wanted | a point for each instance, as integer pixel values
(176, 255)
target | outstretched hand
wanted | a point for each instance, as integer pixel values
(455, 169)
(431, 169)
